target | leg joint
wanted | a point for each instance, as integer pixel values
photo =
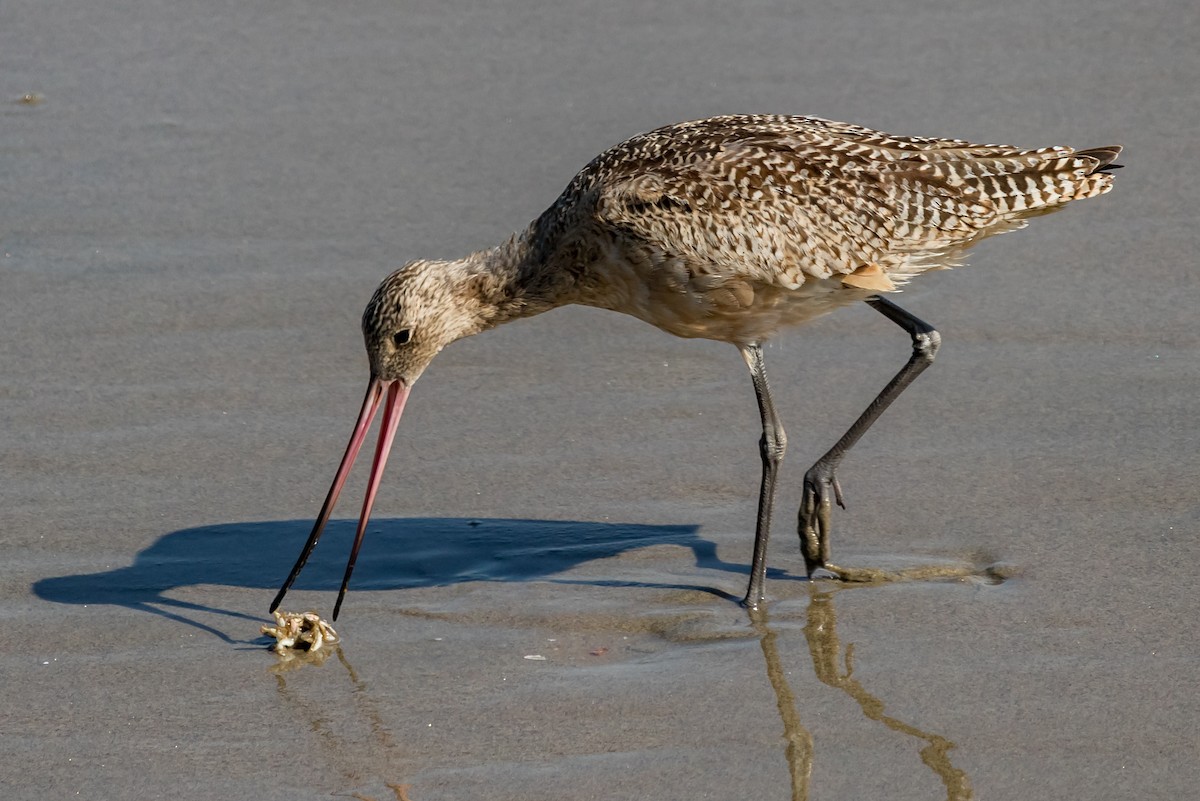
(926, 343)
(773, 445)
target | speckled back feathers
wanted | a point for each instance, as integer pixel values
(785, 199)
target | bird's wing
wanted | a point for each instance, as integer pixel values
(783, 200)
(750, 210)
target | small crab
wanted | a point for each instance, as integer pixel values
(299, 632)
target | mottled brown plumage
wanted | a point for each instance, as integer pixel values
(731, 228)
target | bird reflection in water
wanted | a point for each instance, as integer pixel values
(825, 648)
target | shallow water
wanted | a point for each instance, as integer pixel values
(205, 196)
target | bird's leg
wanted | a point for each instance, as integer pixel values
(771, 447)
(821, 487)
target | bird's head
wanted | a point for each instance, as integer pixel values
(416, 311)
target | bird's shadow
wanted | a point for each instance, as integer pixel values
(399, 554)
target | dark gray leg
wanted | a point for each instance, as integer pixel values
(821, 487)
(771, 447)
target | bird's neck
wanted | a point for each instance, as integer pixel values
(515, 280)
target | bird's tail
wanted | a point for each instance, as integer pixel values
(971, 193)
(1106, 157)
(1043, 181)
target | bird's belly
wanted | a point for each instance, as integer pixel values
(741, 312)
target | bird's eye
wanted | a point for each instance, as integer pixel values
(402, 337)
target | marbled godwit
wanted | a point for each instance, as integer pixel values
(729, 228)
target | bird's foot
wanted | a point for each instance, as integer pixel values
(821, 490)
(753, 604)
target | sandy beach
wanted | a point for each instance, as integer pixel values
(198, 200)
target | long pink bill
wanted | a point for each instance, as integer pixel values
(397, 394)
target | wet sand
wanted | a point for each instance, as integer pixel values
(198, 201)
